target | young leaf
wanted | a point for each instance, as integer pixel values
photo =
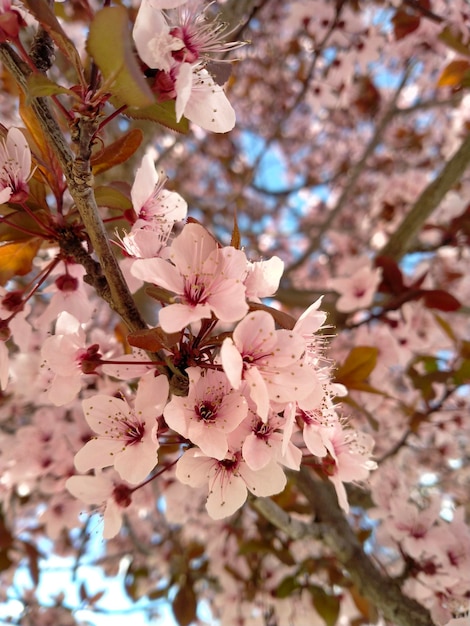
(40, 86)
(109, 196)
(161, 112)
(16, 259)
(359, 363)
(110, 45)
(455, 74)
(184, 605)
(118, 152)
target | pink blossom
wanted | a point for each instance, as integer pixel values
(15, 167)
(107, 491)
(176, 50)
(210, 411)
(154, 206)
(205, 278)
(350, 451)
(264, 444)
(125, 435)
(4, 365)
(63, 354)
(269, 360)
(263, 278)
(414, 528)
(356, 290)
(229, 480)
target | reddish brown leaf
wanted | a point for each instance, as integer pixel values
(440, 300)
(404, 23)
(392, 277)
(118, 152)
(16, 259)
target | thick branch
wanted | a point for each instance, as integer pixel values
(381, 590)
(429, 200)
(293, 528)
(354, 174)
(79, 179)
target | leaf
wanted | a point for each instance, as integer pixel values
(21, 219)
(440, 300)
(109, 196)
(43, 154)
(236, 239)
(404, 23)
(284, 320)
(392, 277)
(16, 259)
(184, 605)
(152, 339)
(326, 605)
(110, 45)
(161, 112)
(287, 587)
(454, 40)
(455, 74)
(118, 152)
(43, 12)
(39, 86)
(359, 363)
(33, 555)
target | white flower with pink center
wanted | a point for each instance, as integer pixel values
(206, 279)
(125, 434)
(210, 411)
(15, 167)
(269, 360)
(229, 480)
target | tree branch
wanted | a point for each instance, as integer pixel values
(354, 174)
(401, 240)
(381, 590)
(77, 172)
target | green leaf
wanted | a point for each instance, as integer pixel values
(359, 363)
(161, 112)
(287, 587)
(40, 86)
(326, 605)
(110, 45)
(454, 40)
(43, 12)
(109, 196)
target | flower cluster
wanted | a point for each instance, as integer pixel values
(228, 386)
(176, 46)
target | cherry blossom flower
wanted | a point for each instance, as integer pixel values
(125, 435)
(263, 278)
(205, 278)
(15, 167)
(356, 289)
(264, 444)
(414, 528)
(155, 206)
(176, 50)
(269, 360)
(107, 491)
(210, 411)
(63, 354)
(350, 451)
(229, 480)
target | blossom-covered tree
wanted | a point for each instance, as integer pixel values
(234, 297)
